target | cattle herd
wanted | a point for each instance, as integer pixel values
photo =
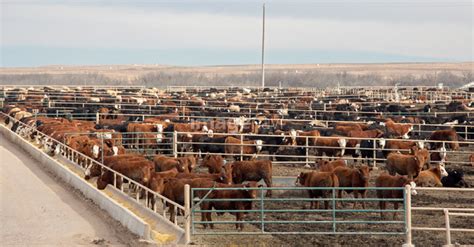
(236, 137)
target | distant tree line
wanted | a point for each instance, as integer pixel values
(303, 78)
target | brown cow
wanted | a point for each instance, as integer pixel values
(404, 147)
(444, 135)
(329, 166)
(300, 137)
(164, 163)
(94, 170)
(213, 163)
(247, 193)
(375, 133)
(139, 171)
(347, 128)
(386, 180)
(353, 177)
(318, 179)
(235, 146)
(254, 170)
(431, 177)
(331, 146)
(400, 130)
(406, 164)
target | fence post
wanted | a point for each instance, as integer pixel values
(97, 118)
(175, 144)
(374, 154)
(407, 192)
(465, 133)
(307, 152)
(187, 213)
(241, 147)
(448, 227)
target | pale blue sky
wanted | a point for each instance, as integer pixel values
(208, 32)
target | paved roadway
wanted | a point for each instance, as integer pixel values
(36, 209)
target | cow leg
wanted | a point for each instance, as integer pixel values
(268, 182)
(383, 205)
(395, 206)
(340, 203)
(356, 196)
(363, 195)
(239, 216)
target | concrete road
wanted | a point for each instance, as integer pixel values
(37, 209)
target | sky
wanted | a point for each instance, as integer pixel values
(228, 32)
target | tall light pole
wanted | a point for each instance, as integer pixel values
(263, 47)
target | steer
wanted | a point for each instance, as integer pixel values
(213, 163)
(455, 179)
(353, 177)
(252, 171)
(318, 179)
(399, 130)
(331, 146)
(406, 164)
(444, 135)
(329, 166)
(431, 177)
(138, 171)
(235, 146)
(386, 180)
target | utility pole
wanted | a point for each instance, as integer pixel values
(263, 47)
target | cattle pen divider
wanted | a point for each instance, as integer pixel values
(447, 212)
(333, 219)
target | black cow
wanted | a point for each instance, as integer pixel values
(455, 178)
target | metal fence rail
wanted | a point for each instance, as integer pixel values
(266, 213)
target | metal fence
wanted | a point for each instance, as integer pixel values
(268, 216)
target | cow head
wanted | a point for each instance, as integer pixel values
(357, 149)
(443, 152)
(181, 165)
(115, 150)
(302, 178)
(293, 134)
(205, 129)
(364, 174)
(251, 193)
(57, 149)
(258, 145)
(413, 186)
(95, 151)
(442, 170)
(420, 144)
(382, 143)
(342, 143)
(210, 133)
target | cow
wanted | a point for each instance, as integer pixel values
(318, 179)
(164, 163)
(471, 159)
(139, 171)
(213, 163)
(455, 179)
(328, 166)
(236, 146)
(353, 177)
(374, 133)
(406, 164)
(450, 136)
(331, 146)
(399, 130)
(401, 146)
(94, 170)
(252, 171)
(242, 191)
(431, 177)
(386, 180)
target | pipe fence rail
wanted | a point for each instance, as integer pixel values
(266, 217)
